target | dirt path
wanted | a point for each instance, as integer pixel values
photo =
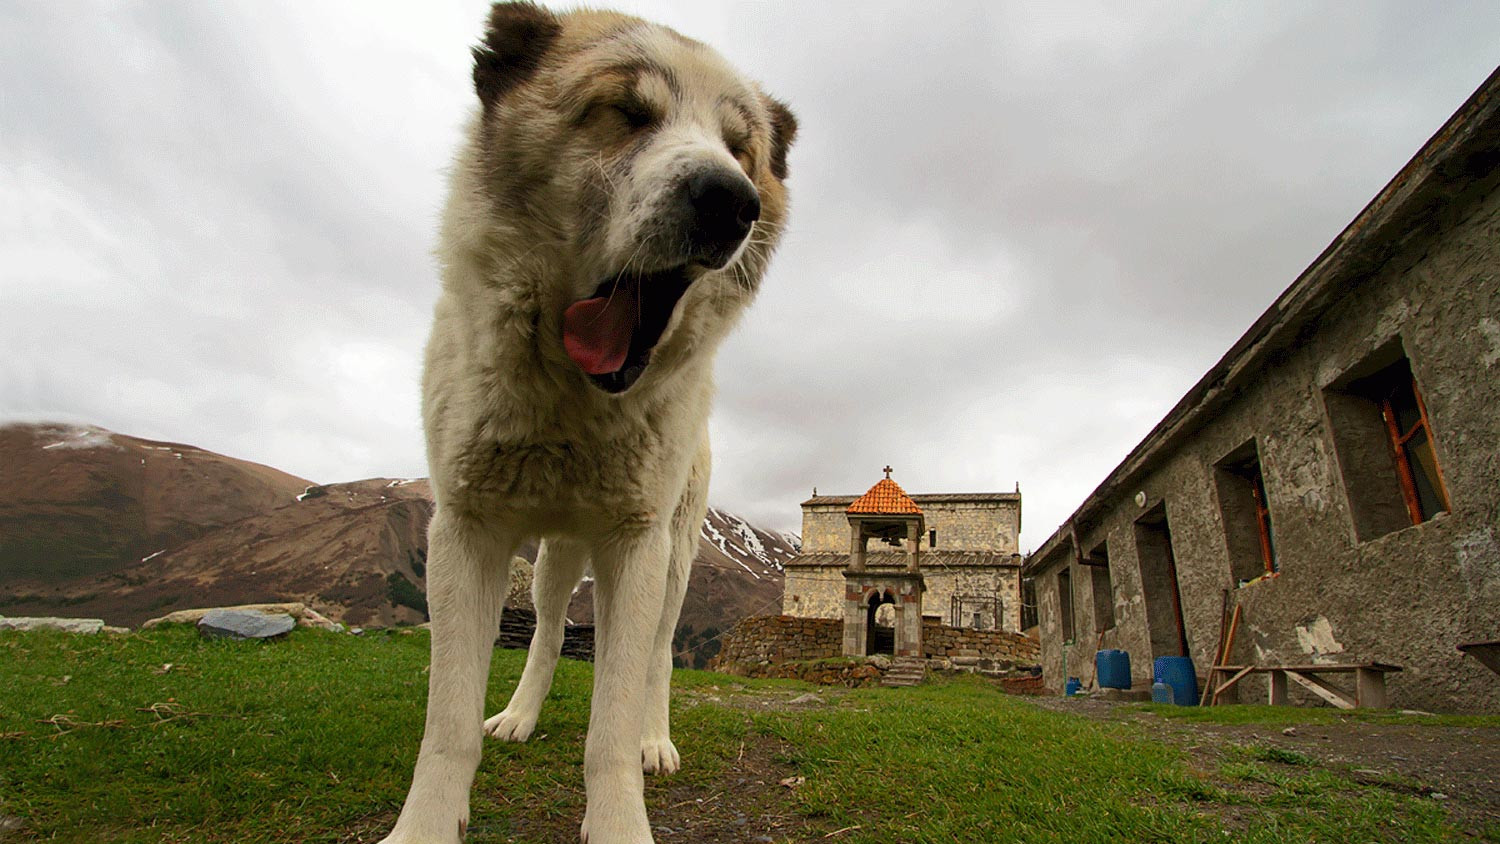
(1457, 766)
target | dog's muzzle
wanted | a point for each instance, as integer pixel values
(610, 334)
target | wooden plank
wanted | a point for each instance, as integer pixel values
(1213, 668)
(1333, 695)
(1334, 667)
(1278, 688)
(1228, 684)
(1488, 653)
(1234, 624)
(1369, 689)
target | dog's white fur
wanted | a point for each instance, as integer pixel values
(552, 192)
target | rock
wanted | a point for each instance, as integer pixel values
(880, 662)
(294, 609)
(519, 595)
(118, 631)
(805, 699)
(244, 624)
(66, 625)
(312, 618)
(1289, 731)
(1414, 712)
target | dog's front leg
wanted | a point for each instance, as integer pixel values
(630, 574)
(468, 571)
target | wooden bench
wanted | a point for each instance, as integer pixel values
(1369, 682)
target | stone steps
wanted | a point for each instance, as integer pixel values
(905, 672)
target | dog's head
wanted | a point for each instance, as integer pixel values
(646, 167)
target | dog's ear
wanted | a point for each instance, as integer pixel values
(517, 37)
(783, 131)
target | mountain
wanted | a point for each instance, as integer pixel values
(100, 524)
(78, 500)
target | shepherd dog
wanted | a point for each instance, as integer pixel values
(612, 211)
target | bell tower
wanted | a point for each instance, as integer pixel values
(886, 514)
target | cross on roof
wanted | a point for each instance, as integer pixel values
(887, 470)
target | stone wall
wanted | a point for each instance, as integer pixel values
(518, 623)
(763, 640)
(772, 639)
(943, 642)
(824, 672)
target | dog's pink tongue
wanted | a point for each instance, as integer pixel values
(596, 332)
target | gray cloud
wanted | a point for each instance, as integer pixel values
(1019, 232)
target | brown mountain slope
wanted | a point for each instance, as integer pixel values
(355, 551)
(345, 549)
(76, 501)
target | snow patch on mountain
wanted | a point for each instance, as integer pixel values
(80, 438)
(746, 544)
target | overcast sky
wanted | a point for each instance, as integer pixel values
(1020, 232)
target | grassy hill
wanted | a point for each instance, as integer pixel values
(164, 737)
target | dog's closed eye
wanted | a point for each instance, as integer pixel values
(636, 114)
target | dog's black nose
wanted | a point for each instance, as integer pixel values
(723, 206)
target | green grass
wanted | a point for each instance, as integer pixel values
(311, 739)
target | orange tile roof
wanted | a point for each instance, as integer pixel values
(885, 498)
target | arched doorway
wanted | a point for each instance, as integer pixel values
(880, 638)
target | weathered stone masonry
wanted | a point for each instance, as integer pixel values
(775, 639)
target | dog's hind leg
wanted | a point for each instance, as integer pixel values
(559, 566)
(467, 573)
(658, 753)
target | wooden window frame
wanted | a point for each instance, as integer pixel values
(1263, 521)
(1398, 441)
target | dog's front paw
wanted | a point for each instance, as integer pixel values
(659, 756)
(431, 833)
(509, 726)
(615, 829)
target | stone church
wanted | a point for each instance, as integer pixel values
(950, 557)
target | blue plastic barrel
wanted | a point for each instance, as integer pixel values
(1161, 693)
(1177, 672)
(1114, 668)
(1072, 686)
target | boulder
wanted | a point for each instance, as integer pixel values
(244, 624)
(294, 609)
(67, 625)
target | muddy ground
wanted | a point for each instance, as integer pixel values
(1456, 766)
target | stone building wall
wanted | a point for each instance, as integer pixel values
(825, 529)
(1408, 596)
(1003, 583)
(813, 591)
(960, 525)
(818, 591)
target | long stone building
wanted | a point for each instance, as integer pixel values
(966, 553)
(1337, 471)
